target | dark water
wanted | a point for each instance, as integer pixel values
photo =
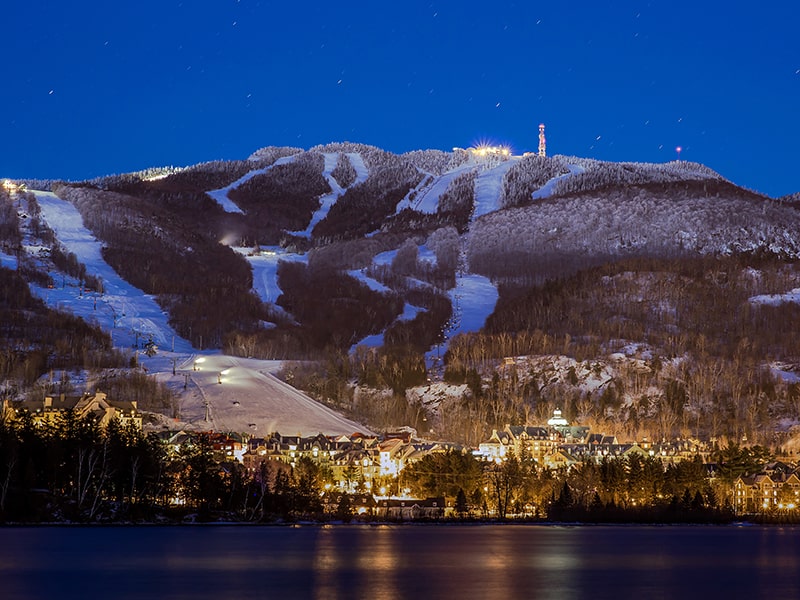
(384, 562)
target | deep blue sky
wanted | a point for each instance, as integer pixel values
(98, 87)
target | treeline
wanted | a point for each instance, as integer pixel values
(616, 489)
(74, 471)
(344, 173)
(597, 175)
(162, 245)
(383, 375)
(35, 339)
(436, 162)
(527, 176)
(10, 236)
(455, 209)
(705, 341)
(329, 312)
(364, 207)
(335, 308)
(627, 489)
(559, 235)
(71, 470)
(284, 198)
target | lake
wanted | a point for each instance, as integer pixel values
(385, 562)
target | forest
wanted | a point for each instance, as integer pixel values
(73, 471)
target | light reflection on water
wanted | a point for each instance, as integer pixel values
(386, 562)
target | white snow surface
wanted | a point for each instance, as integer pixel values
(265, 269)
(362, 172)
(548, 188)
(123, 310)
(488, 187)
(250, 398)
(427, 198)
(226, 393)
(473, 299)
(373, 284)
(328, 199)
(776, 299)
(221, 195)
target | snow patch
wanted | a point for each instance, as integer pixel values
(221, 195)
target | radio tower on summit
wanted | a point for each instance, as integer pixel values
(542, 141)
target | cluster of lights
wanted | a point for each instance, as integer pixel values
(484, 151)
(10, 186)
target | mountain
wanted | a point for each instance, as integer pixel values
(315, 254)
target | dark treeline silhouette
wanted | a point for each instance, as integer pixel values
(74, 471)
(674, 305)
(335, 308)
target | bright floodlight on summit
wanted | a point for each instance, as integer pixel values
(485, 151)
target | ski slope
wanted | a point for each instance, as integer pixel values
(250, 398)
(122, 309)
(225, 393)
(221, 195)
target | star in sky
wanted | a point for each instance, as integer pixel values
(94, 88)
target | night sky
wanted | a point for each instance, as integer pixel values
(98, 87)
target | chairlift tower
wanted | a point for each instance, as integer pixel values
(542, 141)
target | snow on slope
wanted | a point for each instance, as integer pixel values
(250, 398)
(123, 310)
(473, 299)
(488, 187)
(327, 200)
(225, 393)
(776, 299)
(548, 188)
(221, 195)
(426, 199)
(265, 269)
(362, 172)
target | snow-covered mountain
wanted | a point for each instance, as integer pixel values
(292, 253)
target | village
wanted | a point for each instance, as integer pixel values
(376, 473)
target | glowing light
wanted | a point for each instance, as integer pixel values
(487, 151)
(542, 141)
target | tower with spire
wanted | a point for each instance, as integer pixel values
(542, 141)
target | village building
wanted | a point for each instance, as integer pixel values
(765, 492)
(96, 406)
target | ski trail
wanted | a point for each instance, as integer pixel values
(221, 195)
(328, 199)
(547, 189)
(362, 172)
(427, 200)
(122, 309)
(488, 186)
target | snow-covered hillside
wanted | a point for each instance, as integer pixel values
(248, 399)
(353, 207)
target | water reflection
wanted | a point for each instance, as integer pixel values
(386, 562)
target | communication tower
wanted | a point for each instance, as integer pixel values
(542, 142)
